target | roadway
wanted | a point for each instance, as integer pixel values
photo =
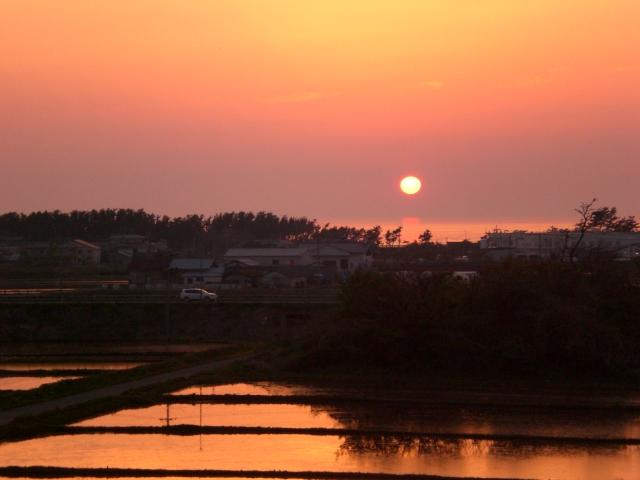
(249, 296)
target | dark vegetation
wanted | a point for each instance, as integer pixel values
(195, 234)
(155, 322)
(514, 318)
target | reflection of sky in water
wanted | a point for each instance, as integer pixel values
(436, 418)
(385, 417)
(28, 383)
(287, 416)
(483, 420)
(258, 388)
(327, 453)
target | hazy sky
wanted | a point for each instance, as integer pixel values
(506, 109)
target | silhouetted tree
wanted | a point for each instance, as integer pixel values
(393, 237)
(425, 237)
(584, 211)
(603, 219)
(606, 219)
(373, 235)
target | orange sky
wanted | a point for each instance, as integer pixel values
(507, 110)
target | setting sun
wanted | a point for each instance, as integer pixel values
(410, 185)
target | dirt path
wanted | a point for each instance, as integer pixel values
(114, 390)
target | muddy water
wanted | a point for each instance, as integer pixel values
(258, 388)
(328, 453)
(28, 383)
(288, 416)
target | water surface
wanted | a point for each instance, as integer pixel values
(257, 388)
(285, 416)
(328, 453)
(387, 417)
(28, 383)
(27, 366)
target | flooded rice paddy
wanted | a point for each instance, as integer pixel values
(258, 388)
(461, 458)
(386, 418)
(30, 366)
(254, 415)
(28, 383)
(371, 436)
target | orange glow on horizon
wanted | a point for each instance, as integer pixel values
(147, 94)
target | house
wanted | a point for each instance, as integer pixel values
(197, 271)
(210, 277)
(344, 256)
(120, 249)
(269, 256)
(556, 243)
(239, 275)
(10, 249)
(83, 252)
(71, 252)
(277, 280)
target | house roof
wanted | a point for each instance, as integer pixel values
(350, 247)
(243, 261)
(327, 251)
(191, 263)
(265, 252)
(86, 244)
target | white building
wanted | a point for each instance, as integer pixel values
(269, 256)
(344, 256)
(520, 244)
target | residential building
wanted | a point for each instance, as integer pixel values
(343, 256)
(71, 252)
(269, 256)
(83, 252)
(557, 243)
(120, 249)
(197, 271)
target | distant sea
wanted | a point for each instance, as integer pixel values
(450, 231)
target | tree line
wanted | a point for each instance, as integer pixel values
(194, 233)
(211, 234)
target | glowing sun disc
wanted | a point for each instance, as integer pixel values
(410, 185)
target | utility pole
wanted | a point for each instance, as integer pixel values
(201, 418)
(167, 419)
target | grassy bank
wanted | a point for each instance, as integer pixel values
(71, 387)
